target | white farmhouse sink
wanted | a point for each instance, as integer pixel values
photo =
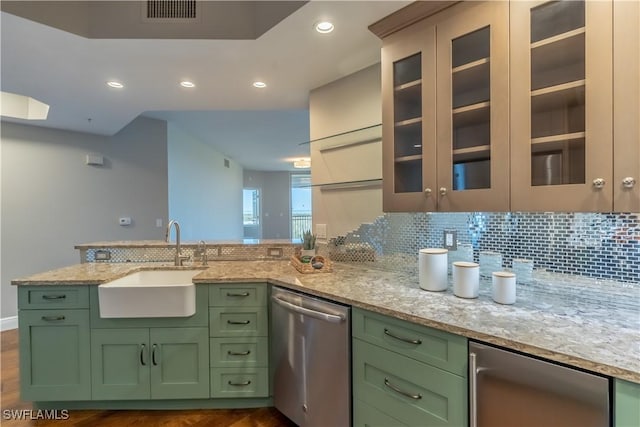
(149, 293)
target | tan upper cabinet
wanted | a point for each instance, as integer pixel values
(561, 106)
(408, 119)
(445, 112)
(626, 106)
(521, 106)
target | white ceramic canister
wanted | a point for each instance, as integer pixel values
(466, 279)
(432, 269)
(504, 287)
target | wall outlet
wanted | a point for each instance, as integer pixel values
(159, 222)
(450, 240)
(124, 221)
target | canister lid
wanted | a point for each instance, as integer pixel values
(503, 274)
(433, 251)
(465, 264)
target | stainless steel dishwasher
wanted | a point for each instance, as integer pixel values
(509, 389)
(311, 359)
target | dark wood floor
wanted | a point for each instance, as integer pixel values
(10, 400)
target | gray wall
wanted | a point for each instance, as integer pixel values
(276, 201)
(51, 200)
(205, 197)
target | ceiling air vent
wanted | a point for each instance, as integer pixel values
(171, 9)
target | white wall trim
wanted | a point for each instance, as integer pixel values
(7, 323)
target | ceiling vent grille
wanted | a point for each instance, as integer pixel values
(171, 9)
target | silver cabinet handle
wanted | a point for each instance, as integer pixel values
(153, 355)
(53, 297)
(239, 353)
(407, 340)
(598, 183)
(427, 191)
(142, 361)
(473, 390)
(629, 182)
(443, 191)
(334, 318)
(402, 392)
(241, 295)
(238, 322)
(52, 318)
(241, 384)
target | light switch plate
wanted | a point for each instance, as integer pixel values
(321, 231)
(450, 240)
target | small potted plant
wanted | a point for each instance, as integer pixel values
(308, 246)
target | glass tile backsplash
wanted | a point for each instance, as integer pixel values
(599, 245)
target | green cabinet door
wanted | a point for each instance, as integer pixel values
(627, 404)
(120, 362)
(54, 355)
(179, 363)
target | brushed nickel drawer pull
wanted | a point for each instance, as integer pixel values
(239, 353)
(402, 392)
(242, 384)
(153, 355)
(52, 318)
(142, 362)
(238, 322)
(50, 297)
(407, 340)
(242, 295)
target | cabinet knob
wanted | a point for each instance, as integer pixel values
(443, 191)
(427, 191)
(598, 183)
(629, 182)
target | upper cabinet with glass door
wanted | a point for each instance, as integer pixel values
(561, 106)
(472, 115)
(408, 118)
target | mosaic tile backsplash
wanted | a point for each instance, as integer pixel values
(599, 245)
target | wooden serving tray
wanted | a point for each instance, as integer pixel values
(306, 268)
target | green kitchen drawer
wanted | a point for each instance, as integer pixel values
(367, 416)
(413, 392)
(437, 348)
(238, 322)
(52, 297)
(238, 295)
(626, 404)
(245, 352)
(234, 382)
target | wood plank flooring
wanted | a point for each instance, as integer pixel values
(10, 400)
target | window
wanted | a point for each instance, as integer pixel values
(251, 206)
(300, 204)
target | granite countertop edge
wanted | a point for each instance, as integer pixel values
(389, 302)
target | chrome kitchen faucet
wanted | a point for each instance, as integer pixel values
(179, 258)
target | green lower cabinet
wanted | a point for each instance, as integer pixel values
(244, 352)
(365, 415)
(627, 404)
(156, 363)
(405, 389)
(233, 382)
(54, 355)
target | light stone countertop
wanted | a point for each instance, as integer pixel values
(582, 322)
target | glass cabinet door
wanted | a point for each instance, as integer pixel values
(561, 129)
(408, 88)
(472, 124)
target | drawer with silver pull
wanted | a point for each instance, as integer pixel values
(245, 352)
(239, 382)
(438, 348)
(48, 297)
(238, 322)
(238, 295)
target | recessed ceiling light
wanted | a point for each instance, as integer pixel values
(324, 27)
(115, 84)
(187, 83)
(259, 84)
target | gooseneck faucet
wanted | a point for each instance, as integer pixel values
(179, 258)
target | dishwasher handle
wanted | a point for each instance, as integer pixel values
(333, 318)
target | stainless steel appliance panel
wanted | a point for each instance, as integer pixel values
(509, 389)
(311, 359)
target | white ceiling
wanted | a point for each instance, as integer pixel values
(69, 72)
